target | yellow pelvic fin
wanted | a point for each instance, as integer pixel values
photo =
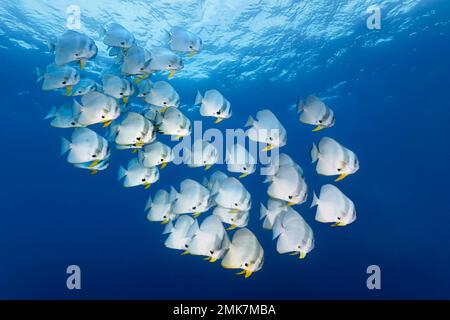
(206, 258)
(218, 120)
(248, 273)
(106, 124)
(191, 54)
(302, 255)
(134, 150)
(147, 185)
(82, 64)
(69, 90)
(93, 163)
(196, 214)
(185, 252)
(342, 176)
(125, 100)
(94, 172)
(291, 204)
(233, 211)
(208, 166)
(318, 128)
(212, 260)
(178, 137)
(166, 221)
(163, 109)
(232, 227)
(163, 165)
(267, 148)
(243, 175)
(239, 273)
(171, 74)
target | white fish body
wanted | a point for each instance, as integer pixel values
(84, 86)
(96, 108)
(155, 154)
(334, 159)
(163, 95)
(215, 180)
(192, 198)
(73, 46)
(174, 122)
(144, 88)
(237, 219)
(238, 159)
(271, 213)
(57, 77)
(267, 129)
(315, 112)
(203, 154)
(181, 233)
(293, 233)
(86, 146)
(333, 206)
(160, 207)
(214, 104)
(63, 117)
(136, 61)
(183, 40)
(118, 36)
(137, 175)
(210, 240)
(133, 132)
(231, 194)
(288, 185)
(164, 59)
(116, 86)
(245, 252)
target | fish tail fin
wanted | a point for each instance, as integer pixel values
(277, 229)
(122, 173)
(299, 105)
(166, 37)
(205, 181)
(101, 31)
(314, 153)
(250, 122)
(263, 212)
(39, 75)
(198, 98)
(149, 203)
(267, 225)
(173, 195)
(315, 201)
(51, 44)
(51, 113)
(168, 228)
(268, 179)
(65, 145)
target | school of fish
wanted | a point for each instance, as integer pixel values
(155, 110)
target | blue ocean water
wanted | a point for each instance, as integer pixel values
(389, 91)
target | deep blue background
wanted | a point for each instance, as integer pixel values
(394, 114)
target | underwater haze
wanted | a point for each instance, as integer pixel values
(388, 88)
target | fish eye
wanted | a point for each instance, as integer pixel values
(142, 69)
(121, 93)
(164, 217)
(138, 138)
(320, 121)
(144, 94)
(218, 112)
(186, 246)
(232, 219)
(190, 47)
(290, 197)
(246, 264)
(162, 160)
(73, 123)
(64, 82)
(122, 43)
(212, 252)
(193, 208)
(143, 179)
(170, 66)
(164, 102)
(94, 156)
(79, 91)
(76, 54)
(270, 138)
(235, 204)
(103, 117)
(339, 169)
(244, 168)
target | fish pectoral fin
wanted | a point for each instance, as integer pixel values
(248, 273)
(239, 273)
(267, 148)
(185, 252)
(318, 128)
(218, 120)
(107, 124)
(171, 74)
(243, 175)
(94, 163)
(232, 227)
(341, 177)
(196, 214)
